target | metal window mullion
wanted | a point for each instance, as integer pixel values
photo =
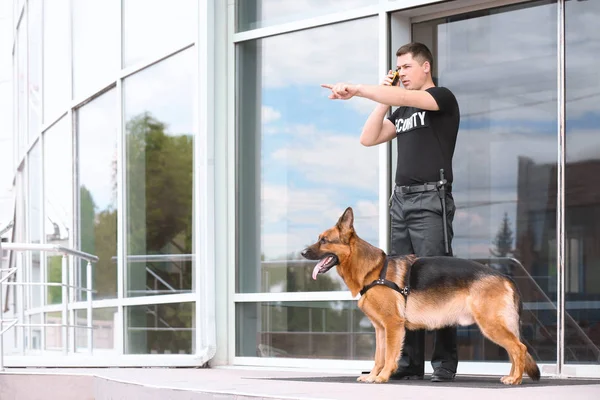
(231, 165)
(560, 196)
(121, 211)
(384, 149)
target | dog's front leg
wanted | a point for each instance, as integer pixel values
(394, 341)
(379, 354)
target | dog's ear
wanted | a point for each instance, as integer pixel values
(346, 221)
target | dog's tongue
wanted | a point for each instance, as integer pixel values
(318, 267)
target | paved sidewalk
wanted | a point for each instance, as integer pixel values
(263, 383)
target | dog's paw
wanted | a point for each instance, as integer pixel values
(511, 380)
(362, 378)
(381, 379)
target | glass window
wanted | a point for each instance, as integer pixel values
(298, 151)
(97, 158)
(158, 105)
(56, 58)
(34, 208)
(156, 26)
(582, 280)
(96, 58)
(502, 69)
(325, 330)
(104, 321)
(35, 67)
(58, 194)
(54, 334)
(160, 329)
(253, 14)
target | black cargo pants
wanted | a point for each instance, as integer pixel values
(416, 228)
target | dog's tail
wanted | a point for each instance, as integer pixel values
(531, 367)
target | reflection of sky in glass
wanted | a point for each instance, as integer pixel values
(58, 178)
(96, 58)
(502, 70)
(254, 14)
(151, 27)
(56, 58)
(312, 164)
(165, 91)
(97, 133)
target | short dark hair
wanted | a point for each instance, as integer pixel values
(419, 51)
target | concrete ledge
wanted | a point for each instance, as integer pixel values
(35, 387)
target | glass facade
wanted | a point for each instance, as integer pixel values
(198, 159)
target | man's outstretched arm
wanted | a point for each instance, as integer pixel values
(389, 95)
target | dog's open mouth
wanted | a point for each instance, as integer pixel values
(327, 262)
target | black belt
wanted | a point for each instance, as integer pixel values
(424, 187)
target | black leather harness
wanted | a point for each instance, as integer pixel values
(382, 281)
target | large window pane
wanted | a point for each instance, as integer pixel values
(253, 14)
(336, 330)
(160, 329)
(97, 156)
(56, 58)
(300, 160)
(96, 58)
(152, 27)
(582, 214)
(502, 69)
(34, 85)
(58, 204)
(159, 170)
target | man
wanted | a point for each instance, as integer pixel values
(425, 127)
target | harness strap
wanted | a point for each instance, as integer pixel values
(382, 281)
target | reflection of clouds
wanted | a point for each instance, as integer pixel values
(97, 130)
(324, 55)
(293, 218)
(269, 114)
(330, 158)
(165, 91)
(499, 63)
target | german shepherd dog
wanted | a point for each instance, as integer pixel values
(438, 292)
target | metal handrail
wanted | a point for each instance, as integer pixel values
(581, 332)
(7, 228)
(65, 285)
(50, 248)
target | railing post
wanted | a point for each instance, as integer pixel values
(65, 305)
(1, 311)
(21, 295)
(90, 331)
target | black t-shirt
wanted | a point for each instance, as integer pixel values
(426, 139)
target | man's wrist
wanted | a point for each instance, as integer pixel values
(359, 90)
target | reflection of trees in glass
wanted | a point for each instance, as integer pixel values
(504, 239)
(294, 274)
(55, 276)
(159, 187)
(160, 183)
(99, 237)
